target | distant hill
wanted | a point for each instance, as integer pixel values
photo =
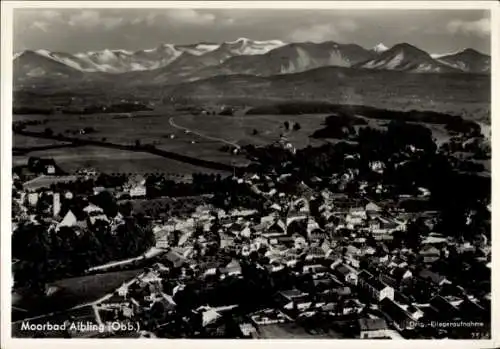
(408, 58)
(291, 58)
(468, 60)
(378, 88)
(171, 64)
(32, 64)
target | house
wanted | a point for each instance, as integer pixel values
(375, 287)
(151, 277)
(246, 232)
(289, 261)
(324, 281)
(415, 312)
(352, 306)
(233, 268)
(32, 199)
(398, 262)
(162, 238)
(396, 315)
(138, 190)
(313, 269)
(346, 273)
(312, 225)
(473, 310)
(278, 227)
(274, 267)
(430, 254)
(98, 217)
(433, 278)
(268, 317)
(444, 309)
(290, 299)
(389, 280)
(352, 250)
(247, 330)
(372, 209)
(301, 205)
(317, 234)
(383, 258)
(48, 166)
(353, 261)
(174, 259)
(285, 240)
(372, 328)
(314, 253)
(434, 239)
(401, 274)
(369, 250)
(352, 221)
(69, 220)
(209, 316)
(99, 189)
(377, 166)
(466, 247)
(358, 212)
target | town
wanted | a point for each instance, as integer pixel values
(305, 243)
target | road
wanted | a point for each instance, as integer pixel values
(216, 139)
(152, 252)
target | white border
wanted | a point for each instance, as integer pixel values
(6, 176)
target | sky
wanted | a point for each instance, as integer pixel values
(80, 30)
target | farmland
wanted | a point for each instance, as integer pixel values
(166, 130)
(113, 160)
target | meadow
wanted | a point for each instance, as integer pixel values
(112, 160)
(207, 137)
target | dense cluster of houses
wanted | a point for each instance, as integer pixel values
(340, 244)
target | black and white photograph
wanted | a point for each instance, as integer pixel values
(199, 172)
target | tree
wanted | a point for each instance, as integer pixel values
(255, 132)
(414, 233)
(296, 126)
(48, 131)
(107, 202)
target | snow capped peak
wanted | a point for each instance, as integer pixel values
(469, 51)
(239, 41)
(124, 52)
(244, 46)
(165, 46)
(43, 52)
(380, 47)
(271, 42)
(439, 55)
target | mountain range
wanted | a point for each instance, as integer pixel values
(172, 64)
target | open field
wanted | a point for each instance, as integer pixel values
(199, 136)
(75, 291)
(20, 141)
(153, 128)
(239, 129)
(112, 160)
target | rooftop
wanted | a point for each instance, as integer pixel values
(366, 324)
